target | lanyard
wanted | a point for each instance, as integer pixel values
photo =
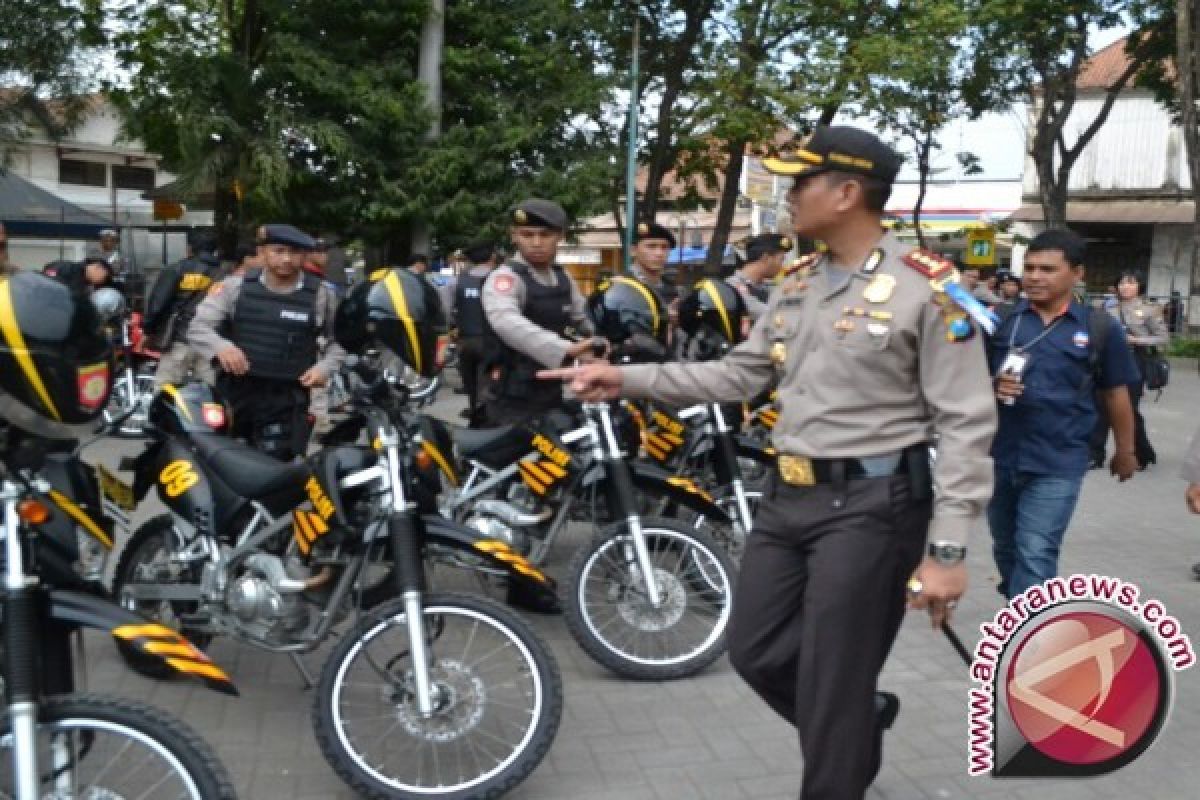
(1012, 339)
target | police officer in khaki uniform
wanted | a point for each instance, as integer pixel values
(177, 292)
(266, 330)
(764, 259)
(1145, 330)
(531, 305)
(872, 358)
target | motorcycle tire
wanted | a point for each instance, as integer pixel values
(152, 538)
(604, 600)
(366, 675)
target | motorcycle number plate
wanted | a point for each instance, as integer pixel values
(115, 489)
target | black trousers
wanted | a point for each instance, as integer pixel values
(1141, 442)
(819, 602)
(271, 415)
(470, 362)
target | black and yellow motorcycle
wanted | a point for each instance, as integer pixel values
(278, 554)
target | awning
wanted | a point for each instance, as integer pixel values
(29, 210)
(1127, 211)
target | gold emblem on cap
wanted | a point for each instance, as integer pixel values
(778, 353)
(785, 243)
(880, 289)
(643, 229)
(520, 216)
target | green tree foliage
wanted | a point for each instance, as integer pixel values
(44, 65)
(1033, 51)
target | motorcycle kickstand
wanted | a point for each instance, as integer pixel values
(305, 675)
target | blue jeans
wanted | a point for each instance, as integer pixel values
(1028, 515)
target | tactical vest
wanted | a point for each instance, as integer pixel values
(468, 302)
(196, 276)
(277, 332)
(547, 307)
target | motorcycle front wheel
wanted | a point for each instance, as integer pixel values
(612, 617)
(92, 746)
(497, 702)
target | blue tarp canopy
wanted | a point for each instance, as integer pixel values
(693, 255)
(28, 210)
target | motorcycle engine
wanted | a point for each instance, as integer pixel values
(264, 601)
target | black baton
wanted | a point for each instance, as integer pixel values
(956, 643)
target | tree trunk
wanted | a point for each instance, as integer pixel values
(1185, 62)
(728, 206)
(924, 142)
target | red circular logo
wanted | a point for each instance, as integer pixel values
(1085, 688)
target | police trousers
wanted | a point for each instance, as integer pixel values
(179, 363)
(471, 351)
(270, 414)
(819, 601)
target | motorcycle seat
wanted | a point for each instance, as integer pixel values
(491, 445)
(249, 473)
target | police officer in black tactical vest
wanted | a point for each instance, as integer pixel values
(177, 292)
(534, 312)
(266, 330)
(468, 312)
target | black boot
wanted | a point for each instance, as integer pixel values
(887, 707)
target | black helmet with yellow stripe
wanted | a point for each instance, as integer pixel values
(713, 316)
(55, 362)
(394, 309)
(623, 307)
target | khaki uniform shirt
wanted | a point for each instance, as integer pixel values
(852, 386)
(746, 288)
(1143, 320)
(503, 299)
(216, 309)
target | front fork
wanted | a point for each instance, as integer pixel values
(20, 654)
(729, 471)
(406, 553)
(623, 500)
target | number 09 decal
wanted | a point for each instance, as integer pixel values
(177, 477)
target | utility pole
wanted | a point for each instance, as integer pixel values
(429, 73)
(631, 155)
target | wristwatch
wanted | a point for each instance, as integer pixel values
(947, 553)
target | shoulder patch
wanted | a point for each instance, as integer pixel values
(928, 264)
(216, 289)
(802, 264)
(503, 284)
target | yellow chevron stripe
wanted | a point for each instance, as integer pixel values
(183, 650)
(150, 630)
(396, 292)
(553, 469)
(304, 524)
(530, 478)
(76, 513)
(541, 474)
(318, 524)
(195, 668)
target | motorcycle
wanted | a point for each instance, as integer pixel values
(133, 387)
(277, 554)
(57, 741)
(645, 597)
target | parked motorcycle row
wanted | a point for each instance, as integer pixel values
(426, 691)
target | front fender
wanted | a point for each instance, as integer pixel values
(150, 639)
(441, 531)
(680, 490)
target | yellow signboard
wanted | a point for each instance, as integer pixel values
(981, 248)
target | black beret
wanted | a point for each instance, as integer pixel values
(767, 243)
(538, 213)
(478, 252)
(288, 235)
(838, 148)
(652, 230)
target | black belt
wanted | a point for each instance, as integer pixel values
(802, 471)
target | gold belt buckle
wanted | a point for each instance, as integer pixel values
(797, 470)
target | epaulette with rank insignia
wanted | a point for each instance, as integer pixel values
(928, 264)
(806, 262)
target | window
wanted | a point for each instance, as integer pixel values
(133, 177)
(82, 173)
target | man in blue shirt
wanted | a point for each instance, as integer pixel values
(1046, 367)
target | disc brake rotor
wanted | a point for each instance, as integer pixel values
(459, 699)
(635, 608)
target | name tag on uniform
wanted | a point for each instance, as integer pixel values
(298, 316)
(470, 293)
(792, 301)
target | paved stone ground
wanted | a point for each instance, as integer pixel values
(709, 737)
